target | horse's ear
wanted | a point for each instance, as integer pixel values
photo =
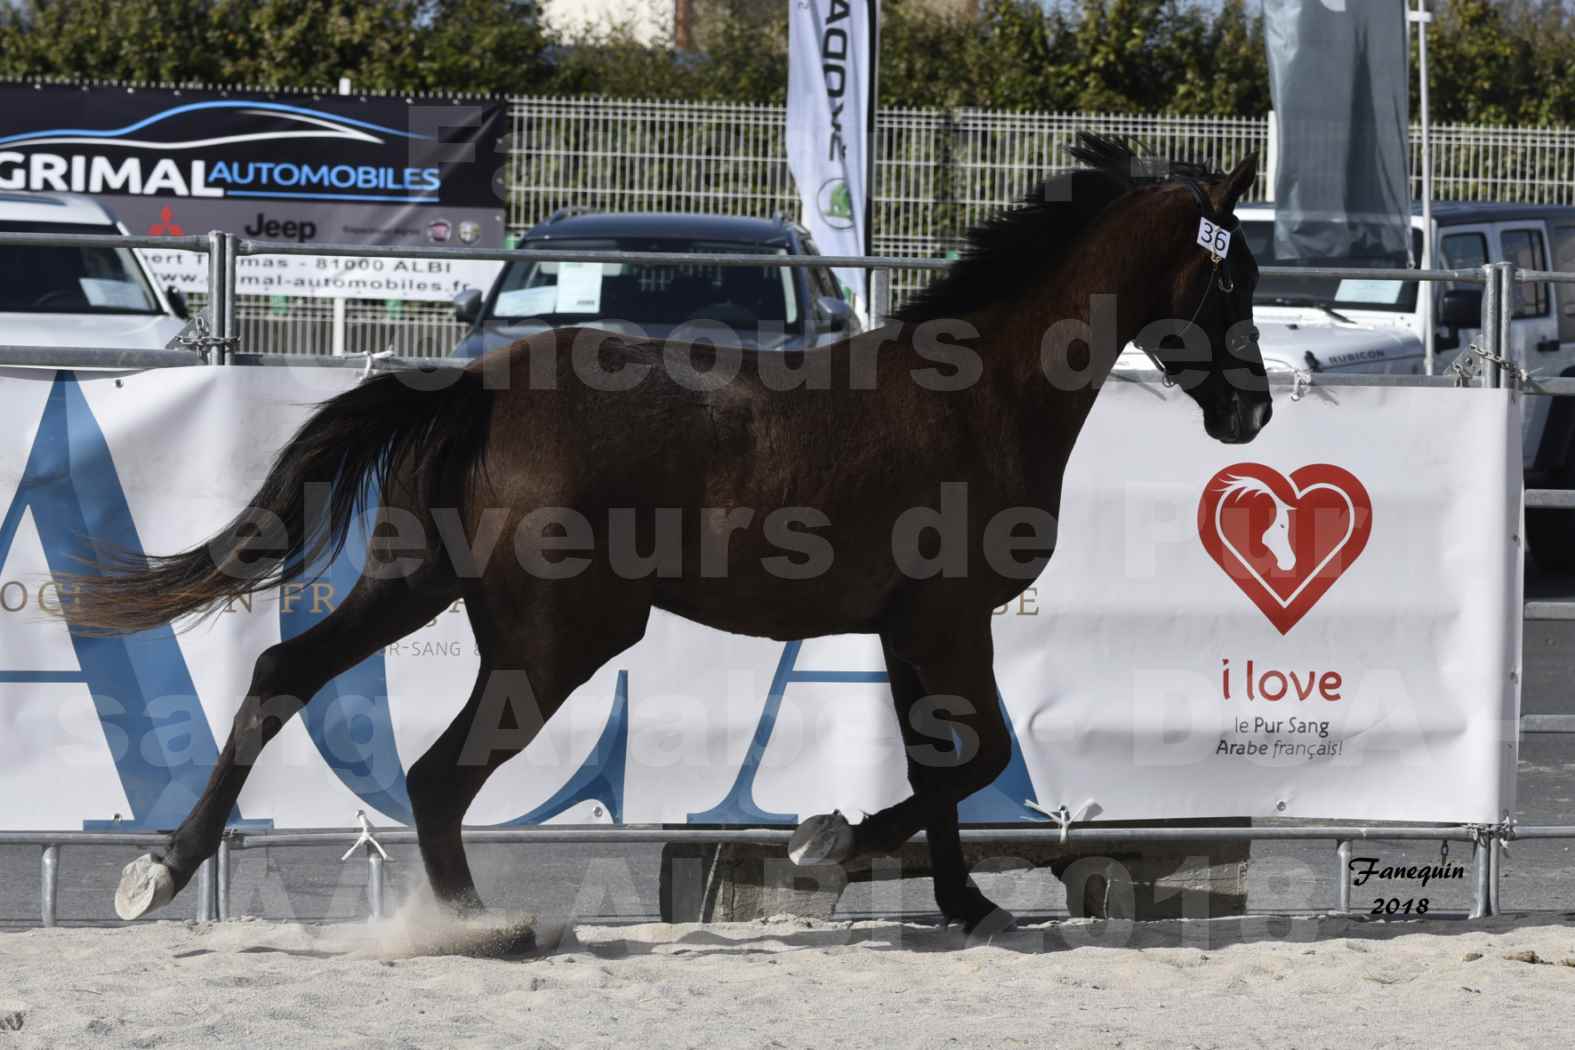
(1229, 190)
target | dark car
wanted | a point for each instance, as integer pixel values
(768, 307)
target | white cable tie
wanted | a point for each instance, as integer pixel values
(374, 357)
(366, 838)
(1063, 816)
(1301, 382)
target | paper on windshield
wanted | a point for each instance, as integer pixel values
(579, 288)
(527, 302)
(115, 295)
(1363, 290)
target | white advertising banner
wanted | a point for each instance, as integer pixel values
(833, 46)
(1322, 624)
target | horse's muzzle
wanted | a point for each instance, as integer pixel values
(1239, 419)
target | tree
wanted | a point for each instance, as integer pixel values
(1493, 61)
(1479, 70)
(311, 43)
(170, 40)
(1226, 68)
(492, 46)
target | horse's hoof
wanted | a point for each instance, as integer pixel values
(145, 884)
(823, 839)
(998, 920)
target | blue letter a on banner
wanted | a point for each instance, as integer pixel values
(153, 722)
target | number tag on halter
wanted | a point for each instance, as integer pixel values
(1213, 239)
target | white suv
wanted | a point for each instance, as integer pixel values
(75, 296)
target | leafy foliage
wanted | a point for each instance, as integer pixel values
(487, 46)
(1493, 61)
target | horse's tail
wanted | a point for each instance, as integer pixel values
(407, 428)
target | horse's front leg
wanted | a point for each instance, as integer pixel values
(284, 680)
(956, 741)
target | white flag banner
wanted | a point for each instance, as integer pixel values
(832, 51)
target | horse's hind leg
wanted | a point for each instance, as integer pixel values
(284, 679)
(539, 642)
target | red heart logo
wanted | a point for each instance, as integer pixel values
(1284, 541)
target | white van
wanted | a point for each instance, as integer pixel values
(1322, 325)
(75, 296)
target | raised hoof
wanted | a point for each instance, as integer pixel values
(145, 884)
(823, 839)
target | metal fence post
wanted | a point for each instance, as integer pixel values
(1506, 312)
(205, 889)
(374, 882)
(1343, 852)
(1482, 875)
(232, 332)
(1491, 328)
(221, 294)
(49, 872)
(880, 297)
(222, 891)
(1495, 869)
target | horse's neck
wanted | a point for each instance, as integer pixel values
(1047, 386)
(1048, 372)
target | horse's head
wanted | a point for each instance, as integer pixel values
(1202, 334)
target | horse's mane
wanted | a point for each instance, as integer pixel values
(1239, 485)
(1008, 251)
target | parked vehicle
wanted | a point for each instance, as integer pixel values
(1355, 325)
(78, 296)
(769, 307)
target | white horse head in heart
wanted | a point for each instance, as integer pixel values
(1277, 537)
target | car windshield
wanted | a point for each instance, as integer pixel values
(1326, 293)
(61, 280)
(573, 293)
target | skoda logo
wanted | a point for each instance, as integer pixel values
(835, 204)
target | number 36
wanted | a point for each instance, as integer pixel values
(1213, 238)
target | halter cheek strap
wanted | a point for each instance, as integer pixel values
(1216, 275)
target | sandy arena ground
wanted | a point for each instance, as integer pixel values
(1255, 982)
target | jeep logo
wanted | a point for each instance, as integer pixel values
(274, 230)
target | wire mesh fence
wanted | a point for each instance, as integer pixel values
(293, 325)
(937, 173)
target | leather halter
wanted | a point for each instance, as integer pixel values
(1216, 276)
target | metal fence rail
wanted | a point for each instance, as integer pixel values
(211, 884)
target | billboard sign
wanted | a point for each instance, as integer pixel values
(299, 168)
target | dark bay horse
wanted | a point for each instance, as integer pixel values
(567, 485)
